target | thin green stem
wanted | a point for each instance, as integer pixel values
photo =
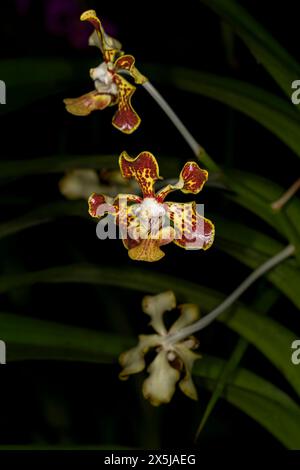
(198, 151)
(260, 271)
(263, 303)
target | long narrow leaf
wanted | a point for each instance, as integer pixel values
(257, 398)
(264, 302)
(253, 248)
(62, 163)
(28, 338)
(268, 336)
(279, 63)
(257, 193)
(275, 114)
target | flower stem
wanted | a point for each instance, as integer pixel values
(190, 140)
(277, 205)
(260, 271)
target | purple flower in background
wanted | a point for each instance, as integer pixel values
(22, 6)
(62, 19)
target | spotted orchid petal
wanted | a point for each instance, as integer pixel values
(159, 387)
(87, 103)
(193, 231)
(99, 204)
(127, 63)
(133, 360)
(155, 306)
(148, 249)
(125, 119)
(144, 169)
(191, 180)
(109, 46)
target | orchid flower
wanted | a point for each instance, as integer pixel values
(173, 362)
(80, 183)
(111, 88)
(147, 222)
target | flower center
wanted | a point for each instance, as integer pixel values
(150, 209)
(103, 78)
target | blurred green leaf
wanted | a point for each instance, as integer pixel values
(262, 304)
(247, 245)
(223, 379)
(28, 80)
(29, 338)
(256, 194)
(256, 397)
(55, 164)
(268, 336)
(253, 248)
(62, 447)
(276, 114)
(62, 163)
(277, 61)
(42, 215)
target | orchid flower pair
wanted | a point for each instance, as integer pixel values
(147, 222)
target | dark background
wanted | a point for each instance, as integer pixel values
(81, 404)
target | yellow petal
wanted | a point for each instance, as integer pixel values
(109, 46)
(79, 184)
(133, 360)
(146, 250)
(159, 387)
(87, 103)
(189, 313)
(127, 62)
(155, 306)
(188, 358)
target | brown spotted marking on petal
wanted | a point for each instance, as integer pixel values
(193, 178)
(144, 169)
(193, 231)
(125, 119)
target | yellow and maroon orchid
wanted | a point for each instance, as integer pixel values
(111, 88)
(148, 222)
